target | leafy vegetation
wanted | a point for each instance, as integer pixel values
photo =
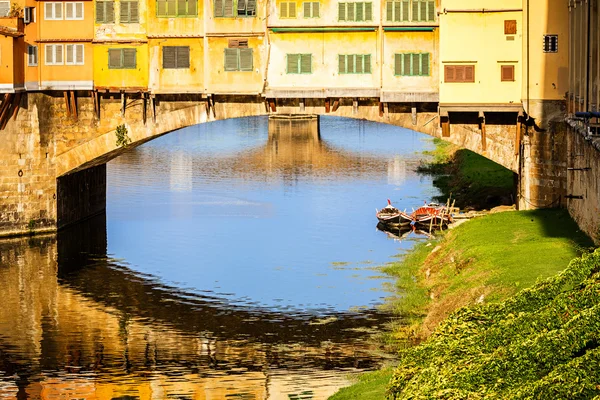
(370, 386)
(123, 138)
(540, 343)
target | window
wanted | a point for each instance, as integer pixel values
(354, 63)
(176, 57)
(311, 9)
(74, 54)
(176, 8)
(32, 56)
(397, 11)
(129, 12)
(507, 73)
(459, 73)
(299, 63)
(423, 10)
(411, 64)
(550, 43)
(121, 58)
(247, 8)
(510, 27)
(4, 8)
(356, 11)
(54, 54)
(238, 59)
(53, 11)
(29, 15)
(287, 10)
(73, 10)
(105, 12)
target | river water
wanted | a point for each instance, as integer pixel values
(232, 263)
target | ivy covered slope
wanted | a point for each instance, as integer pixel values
(542, 343)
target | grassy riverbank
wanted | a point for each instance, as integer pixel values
(481, 262)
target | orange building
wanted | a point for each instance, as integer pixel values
(11, 49)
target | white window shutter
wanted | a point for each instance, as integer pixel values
(69, 10)
(49, 54)
(48, 10)
(70, 59)
(58, 58)
(79, 54)
(58, 11)
(78, 10)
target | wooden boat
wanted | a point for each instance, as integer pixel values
(432, 215)
(390, 215)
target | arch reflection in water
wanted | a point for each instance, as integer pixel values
(76, 323)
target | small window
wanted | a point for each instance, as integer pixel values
(287, 10)
(32, 56)
(247, 8)
(550, 43)
(105, 12)
(412, 64)
(355, 11)
(354, 63)
(459, 73)
(510, 27)
(129, 13)
(74, 54)
(311, 9)
(54, 54)
(423, 10)
(176, 57)
(4, 8)
(238, 59)
(238, 43)
(176, 8)
(73, 10)
(121, 58)
(397, 11)
(507, 73)
(224, 8)
(53, 11)
(29, 15)
(299, 63)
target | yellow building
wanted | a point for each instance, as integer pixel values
(64, 46)
(481, 53)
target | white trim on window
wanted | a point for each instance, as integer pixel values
(74, 54)
(54, 54)
(53, 11)
(32, 56)
(4, 8)
(74, 10)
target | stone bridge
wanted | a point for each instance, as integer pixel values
(53, 154)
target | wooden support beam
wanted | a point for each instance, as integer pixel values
(355, 105)
(386, 109)
(17, 106)
(381, 109)
(145, 107)
(5, 110)
(267, 105)
(483, 134)
(273, 105)
(302, 108)
(336, 104)
(94, 103)
(518, 133)
(98, 104)
(73, 105)
(413, 113)
(153, 100)
(123, 102)
(445, 122)
(66, 94)
(327, 105)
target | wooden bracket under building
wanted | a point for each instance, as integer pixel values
(71, 103)
(302, 107)
(273, 105)
(145, 107)
(96, 98)
(336, 104)
(153, 106)
(519, 132)
(445, 124)
(355, 105)
(483, 134)
(413, 113)
(5, 108)
(327, 105)
(123, 102)
(381, 109)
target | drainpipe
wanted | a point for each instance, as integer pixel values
(528, 40)
(588, 56)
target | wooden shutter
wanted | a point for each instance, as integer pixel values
(114, 58)
(359, 11)
(398, 64)
(358, 64)
(307, 9)
(459, 73)
(251, 7)
(306, 63)
(69, 10)
(342, 11)
(293, 63)
(241, 7)
(49, 53)
(109, 12)
(134, 14)
(99, 11)
(79, 54)
(368, 11)
(78, 10)
(58, 11)
(283, 10)
(406, 64)
(161, 8)
(181, 8)
(425, 64)
(292, 10)
(405, 9)
(469, 73)
(231, 59)
(58, 55)
(183, 57)
(129, 58)
(507, 73)
(415, 11)
(316, 9)
(218, 8)
(449, 73)
(169, 57)
(246, 62)
(228, 9)
(367, 60)
(70, 54)
(423, 10)
(192, 10)
(431, 11)
(124, 12)
(510, 27)
(172, 8)
(350, 16)
(389, 11)
(48, 9)
(341, 64)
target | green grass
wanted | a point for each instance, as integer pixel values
(370, 386)
(488, 258)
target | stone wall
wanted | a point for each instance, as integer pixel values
(81, 195)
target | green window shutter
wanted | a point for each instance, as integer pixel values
(251, 7)
(406, 63)
(425, 64)
(367, 69)
(405, 8)
(306, 63)
(415, 11)
(181, 8)
(389, 11)
(134, 14)
(129, 58)
(350, 63)
(246, 63)
(100, 15)
(241, 7)
(114, 58)
(161, 8)
(431, 11)
(124, 13)
(316, 9)
(169, 56)
(342, 11)
(350, 11)
(283, 10)
(359, 68)
(307, 9)
(228, 8)
(192, 10)
(292, 10)
(415, 64)
(398, 64)
(110, 12)
(171, 8)
(368, 11)
(341, 64)
(359, 11)
(231, 60)
(422, 10)
(218, 8)
(293, 63)
(183, 57)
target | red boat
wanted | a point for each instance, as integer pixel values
(432, 214)
(390, 215)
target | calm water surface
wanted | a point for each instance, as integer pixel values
(231, 264)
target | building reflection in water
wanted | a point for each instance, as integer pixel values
(75, 323)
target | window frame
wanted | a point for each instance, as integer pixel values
(312, 9)
(455, 80)
(510, 67)
(548, 45)
(129, 19)
(105, 4)
(53, 17)
(412, 55)
(177, 14)
(363, 5)
(74, 55)
(299, 64)
(355, 58)
(287, 7)
(238, 51)
(31, 54)
(74, 5)
(54, 46)
(7, 9)
(176, 57)
(122, 61)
